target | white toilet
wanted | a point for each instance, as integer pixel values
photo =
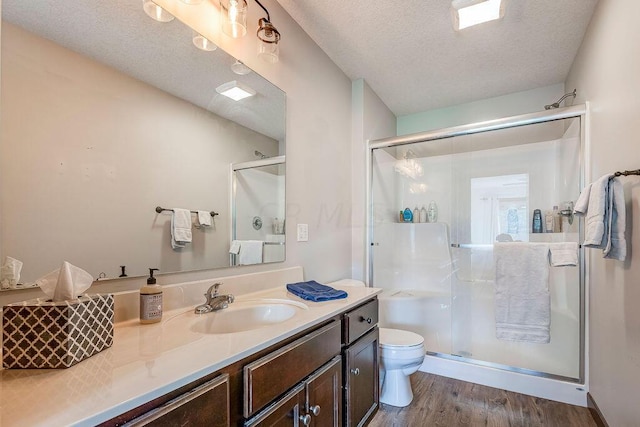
(401, 354)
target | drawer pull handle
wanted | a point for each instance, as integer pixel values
(315, 410)
(355, 371)
(368, 319)
(306, 419)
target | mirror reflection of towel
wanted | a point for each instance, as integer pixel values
(250, 252)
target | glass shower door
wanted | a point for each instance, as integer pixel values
(439, 278)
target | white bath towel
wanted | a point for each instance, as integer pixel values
(250, 252)
(603, 206)
(180, 228)
(563, 254)
(522, 300)
(204, 219)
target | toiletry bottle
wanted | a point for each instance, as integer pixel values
(423, 214)
(416, 214)
(151, 300)
(549, 222)
(408, 215)
(536, 226)
(432, 212)
(557, 220)
(401, 216)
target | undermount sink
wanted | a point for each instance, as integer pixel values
(243, 316)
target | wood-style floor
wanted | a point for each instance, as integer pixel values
(440, 401)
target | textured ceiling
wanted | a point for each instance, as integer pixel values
(119, 34)
(412, 58)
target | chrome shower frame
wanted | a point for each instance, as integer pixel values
(576, 111)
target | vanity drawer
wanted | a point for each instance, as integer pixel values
(360, 320)
(272, 375)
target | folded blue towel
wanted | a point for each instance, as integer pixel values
(314, 291)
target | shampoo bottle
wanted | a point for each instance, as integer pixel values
(408, 215)
(151, 300)
(423, 215)
(536, 226)
(432, 212)
(416, 214)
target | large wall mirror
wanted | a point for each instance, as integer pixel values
(106, 115)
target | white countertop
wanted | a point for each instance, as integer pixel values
(145, 362)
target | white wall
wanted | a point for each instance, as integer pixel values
(318, 149)
(606, 73)
(487, 109)
(88, 153)
(372, 120)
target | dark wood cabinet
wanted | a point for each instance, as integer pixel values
(361, 380)
(324, 395)
(285, 412)
(207, 404)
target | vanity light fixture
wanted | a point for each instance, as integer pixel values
(239, 68)
(234, 17)
(235, 90)
(466, 13)
(203, 43)
(155, 12)
(234, 24)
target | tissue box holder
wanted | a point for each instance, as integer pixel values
(45, 334)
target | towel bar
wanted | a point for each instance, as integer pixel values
(160, 210)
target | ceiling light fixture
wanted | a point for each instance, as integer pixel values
(235, 90)
(466, 13)
(203, 43)
(155, 12)
(234, 24)
(192, 2)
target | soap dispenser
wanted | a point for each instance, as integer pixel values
(151, 300)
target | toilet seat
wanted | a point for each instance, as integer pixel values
(399, 339)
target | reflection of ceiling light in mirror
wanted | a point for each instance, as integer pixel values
(156, 12)
(235, 90)
(239, 68)
(203, 43)
(467, 13)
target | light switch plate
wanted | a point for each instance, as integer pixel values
(303, 232)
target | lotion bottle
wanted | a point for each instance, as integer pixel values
(151, 300)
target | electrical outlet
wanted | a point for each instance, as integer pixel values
(303, 232)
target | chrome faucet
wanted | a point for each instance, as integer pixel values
(215, 301)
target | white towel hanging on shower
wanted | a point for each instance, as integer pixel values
(522, 298)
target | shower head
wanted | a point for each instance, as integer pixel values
(259, 154)
(557, 103)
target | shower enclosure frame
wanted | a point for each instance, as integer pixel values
(577, 111)
(252, 164)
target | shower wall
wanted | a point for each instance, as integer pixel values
(484, 185)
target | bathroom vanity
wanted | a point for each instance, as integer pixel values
(326, 375)
(319, 368)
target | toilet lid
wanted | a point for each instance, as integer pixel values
(399, 338)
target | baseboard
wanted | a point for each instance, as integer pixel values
(595, 412)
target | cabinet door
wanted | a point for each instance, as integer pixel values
(324, 395)
(285, 412)
(207, 404)
(361, 380)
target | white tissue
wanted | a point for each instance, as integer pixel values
(10, 273)
(66, 283)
